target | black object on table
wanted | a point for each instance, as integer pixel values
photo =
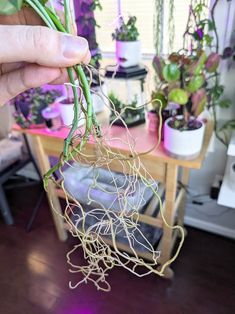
(138, 72)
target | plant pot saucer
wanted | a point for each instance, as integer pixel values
(182, 157)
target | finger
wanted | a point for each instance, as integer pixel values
(87, 58)
(8, 67)
(15, 82)
(63, 78)
(41, 45)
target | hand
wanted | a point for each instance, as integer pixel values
(32, 55)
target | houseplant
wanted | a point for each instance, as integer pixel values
(190, 77)
(128, 47)
(29, 105)
(183, 81)
(201, 31)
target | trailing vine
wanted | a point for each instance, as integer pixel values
(171, 26)
(158, 26)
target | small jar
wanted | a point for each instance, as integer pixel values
(52, 118)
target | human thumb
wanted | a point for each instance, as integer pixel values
(41, 45)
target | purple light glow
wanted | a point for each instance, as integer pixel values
(83, 310)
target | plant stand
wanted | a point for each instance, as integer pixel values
(162, 168)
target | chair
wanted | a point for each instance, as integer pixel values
(12, 159)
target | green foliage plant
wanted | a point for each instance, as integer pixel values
(190, 77)
(126, 31)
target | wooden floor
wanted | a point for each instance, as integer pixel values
(34, 274)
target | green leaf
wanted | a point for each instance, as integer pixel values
(195, 83)
(178, 96)
(158, 100)
(8, 7)
(225, 103)
(211, 25)
(228, 124)
(171, 72)
(208, 39)
(43, 2)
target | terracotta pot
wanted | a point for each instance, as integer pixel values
(154, 121)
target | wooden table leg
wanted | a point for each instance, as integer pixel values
(181, 209)
(54, 203)
(171, 186)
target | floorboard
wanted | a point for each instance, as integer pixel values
(34, 274)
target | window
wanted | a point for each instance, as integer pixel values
(144, 11)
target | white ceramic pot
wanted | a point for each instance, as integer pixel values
(183, 144)
(67, 113)
(128, 53)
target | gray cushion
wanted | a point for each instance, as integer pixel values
(10, 151)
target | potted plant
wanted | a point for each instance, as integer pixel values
(29, 106)
(183, 134)
(128, 47)
(183, 81)
(190, 70)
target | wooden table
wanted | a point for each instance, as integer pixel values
(162, 168)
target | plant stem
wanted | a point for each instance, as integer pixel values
(215, 29)
(76, 112)
(53, 22)
(41, 11)
(67, 16)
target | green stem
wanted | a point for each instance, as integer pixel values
(76, 113)
(215, 29)
(53, 22)
(87, 94)
(67, 16)
(72, 80)
(215, 115)
(41, 11)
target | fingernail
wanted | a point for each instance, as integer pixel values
(74, 46)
